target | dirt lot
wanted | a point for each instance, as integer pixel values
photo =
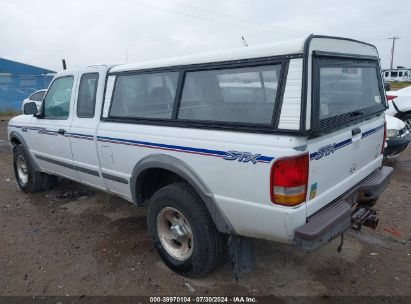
(56, 243)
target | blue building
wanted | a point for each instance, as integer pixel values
(18, 81)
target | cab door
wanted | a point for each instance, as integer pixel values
(50, 142)
(84, 126)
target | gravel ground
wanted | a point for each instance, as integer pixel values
(73, 240)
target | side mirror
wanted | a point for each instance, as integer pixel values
(30, 108)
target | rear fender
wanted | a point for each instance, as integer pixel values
(166, 162)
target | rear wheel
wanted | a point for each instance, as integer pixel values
(183, 232)
(28, 179)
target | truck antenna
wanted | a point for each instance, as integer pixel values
(244, 41)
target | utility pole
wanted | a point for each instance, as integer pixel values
(393, 49)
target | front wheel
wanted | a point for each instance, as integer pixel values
(28, 179)
(183, 232)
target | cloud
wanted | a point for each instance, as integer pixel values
(85, 32)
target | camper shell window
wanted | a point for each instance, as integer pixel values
(346, 90)
(233, 96)
(242, 95)
(149, 95)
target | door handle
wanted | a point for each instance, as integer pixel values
(61, 132)
(355, 131)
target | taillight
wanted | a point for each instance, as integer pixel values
(288, 181)
(391, 97)
(385, 137)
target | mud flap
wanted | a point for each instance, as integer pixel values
(241, 253)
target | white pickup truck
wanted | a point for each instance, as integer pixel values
(282, 142)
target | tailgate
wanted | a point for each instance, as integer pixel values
(340, 162)
(349, 127)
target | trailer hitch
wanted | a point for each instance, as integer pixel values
(363, 215)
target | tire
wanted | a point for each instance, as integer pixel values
(28, 179)
(206, 242)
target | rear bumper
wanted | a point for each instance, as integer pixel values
(335, 218)
(396, 145)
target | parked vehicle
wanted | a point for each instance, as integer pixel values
(399, 74)
(399, 104)
(387, 86)
(398, 136)
(282, 142)
(36, 97)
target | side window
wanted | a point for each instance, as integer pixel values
(241, 95)
(37, 96)
(387, 74)
(86, 100)
(144, 95)
(57, 101)
(399, 74)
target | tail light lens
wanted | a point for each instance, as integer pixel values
(385, 137)
(391, 97)
(288, 181)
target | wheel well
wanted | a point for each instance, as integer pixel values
(15, 141)
(150, 180)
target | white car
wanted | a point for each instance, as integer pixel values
(36, 97)
(399, 103)
(282, 142)
(398, 136)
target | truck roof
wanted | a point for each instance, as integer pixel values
(288, 47)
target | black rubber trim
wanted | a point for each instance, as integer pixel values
(115, 178)
(66, 165)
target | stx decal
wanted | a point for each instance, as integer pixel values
(242, 157)
(325, 151)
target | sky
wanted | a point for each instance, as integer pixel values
(86, 32)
